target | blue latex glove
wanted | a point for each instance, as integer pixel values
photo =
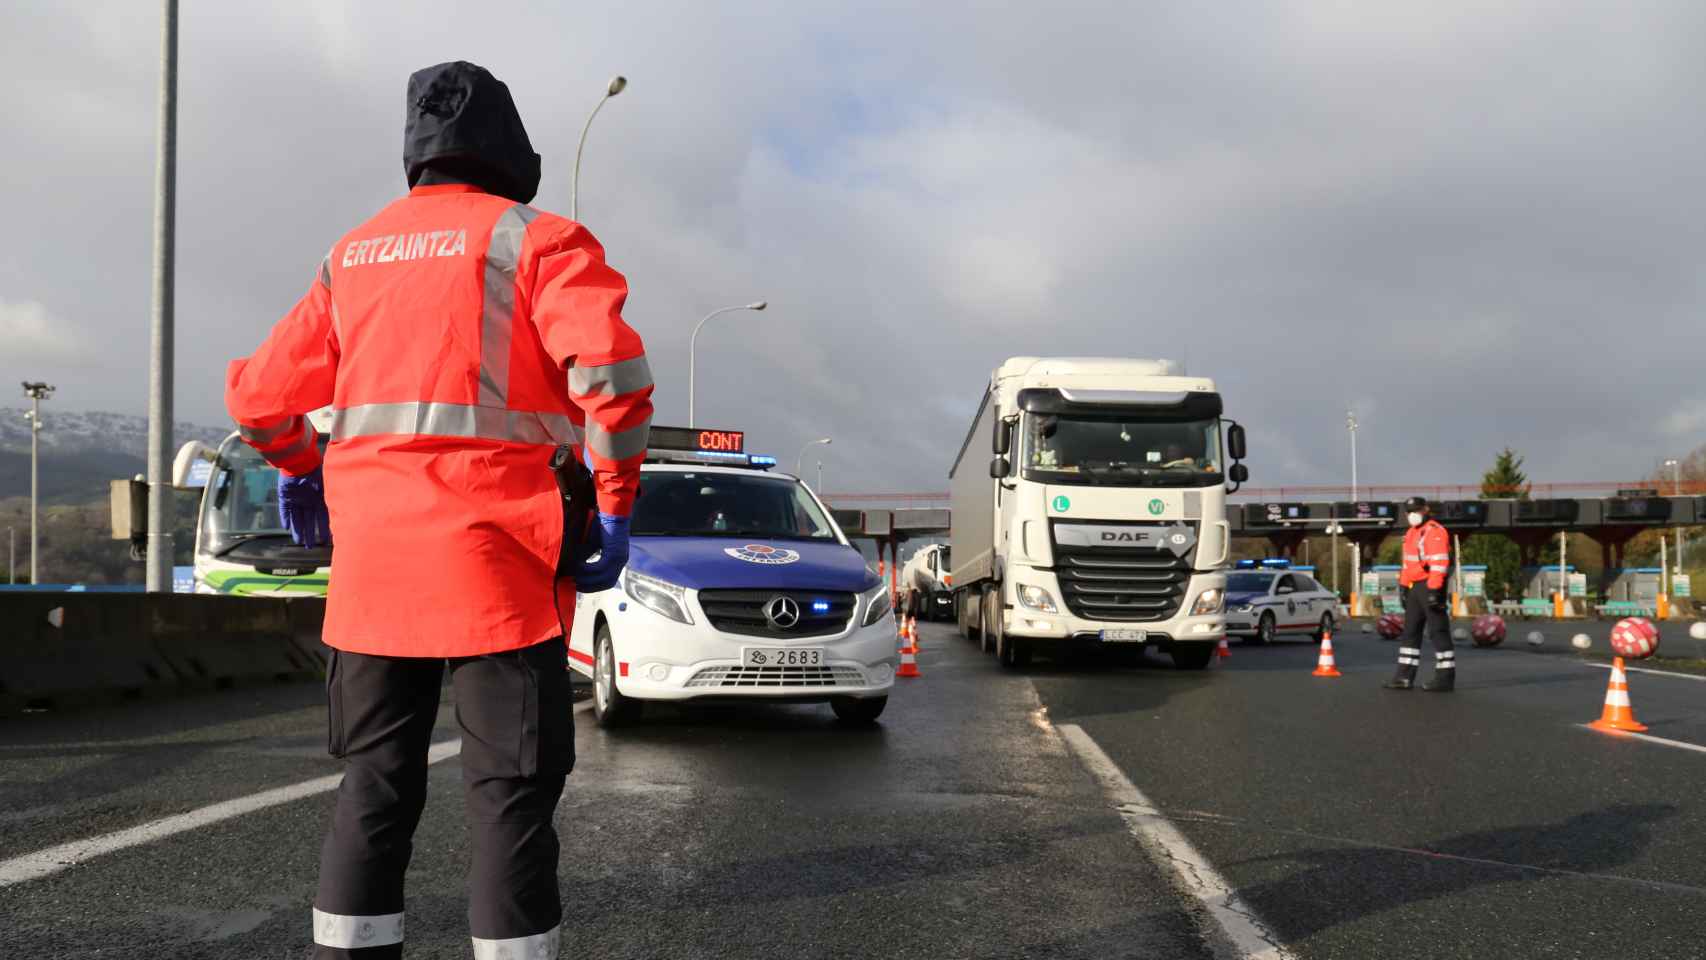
(600, 572)
(302, 508)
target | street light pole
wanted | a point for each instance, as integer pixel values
(693, 353)
(1676, 478)
(799, 461)
(1351, 425)
(820, 478)
(159, 579)
(37, 392)
(618, 83)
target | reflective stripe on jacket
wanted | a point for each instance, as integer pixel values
(1427, 555)
(458, 336)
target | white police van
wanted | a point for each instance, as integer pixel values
(739, 585)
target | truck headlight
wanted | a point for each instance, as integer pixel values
(659, 596)
(1036, 598)
(1209, 601)
(879, 605)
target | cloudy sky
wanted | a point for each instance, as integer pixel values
(1476, 224)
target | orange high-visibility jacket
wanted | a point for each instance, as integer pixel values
(458, 337)
(1427, 555)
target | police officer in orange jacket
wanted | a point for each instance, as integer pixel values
(1427, 561)
(459, 335)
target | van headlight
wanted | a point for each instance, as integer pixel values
(1036, 598)
(659, 596)
(1209, 601)
(878, 605)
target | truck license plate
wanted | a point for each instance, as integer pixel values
(781, 656)
(1124, 635)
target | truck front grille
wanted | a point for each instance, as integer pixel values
(822, 613)
(1133, 585)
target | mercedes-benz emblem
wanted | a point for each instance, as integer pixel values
(782, 612)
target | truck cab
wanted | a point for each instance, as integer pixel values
(926, 583)
(1089, 508)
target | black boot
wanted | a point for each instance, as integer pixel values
(1401, 682)
(1444, 681)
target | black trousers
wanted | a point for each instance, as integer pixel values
(516, 717)
(1419, 616)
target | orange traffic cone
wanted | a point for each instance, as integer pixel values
(1618, 714)
(1224, 652)
(908, 651)
(1324, 665)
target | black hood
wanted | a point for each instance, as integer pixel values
(461, 126)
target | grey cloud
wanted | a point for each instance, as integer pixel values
(1478, 226)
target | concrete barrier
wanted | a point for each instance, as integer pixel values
(59, 649)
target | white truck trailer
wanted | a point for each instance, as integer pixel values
(1101, 519)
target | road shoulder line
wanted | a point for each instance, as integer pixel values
(43, 863)
(1246, 932)
(1657, 673)
(1649, 738)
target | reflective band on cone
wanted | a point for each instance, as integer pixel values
(1619, 713)
(908, 650)
(1224, 650)
(1324, 665)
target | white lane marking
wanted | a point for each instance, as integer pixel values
(42, 863)
(1248, 934)
(1660, 673)
(1661, 741)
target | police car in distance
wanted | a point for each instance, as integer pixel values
(739, 585)
(1265, 601)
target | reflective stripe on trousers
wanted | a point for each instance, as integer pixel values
(541, 946)
(352, 933)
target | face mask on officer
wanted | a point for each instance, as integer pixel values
(1416, 518)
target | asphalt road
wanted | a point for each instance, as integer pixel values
(1354, 821)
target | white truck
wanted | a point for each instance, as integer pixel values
(926, 584)
(1101, 519)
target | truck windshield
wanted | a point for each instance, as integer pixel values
(242, 500)
(683, 504)
(1112, 451)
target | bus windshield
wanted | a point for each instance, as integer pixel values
(241, 502)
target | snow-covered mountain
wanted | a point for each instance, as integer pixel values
(93, 431)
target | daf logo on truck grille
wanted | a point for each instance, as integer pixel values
(782, 612)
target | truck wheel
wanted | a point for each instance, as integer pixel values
(1011, 652)
(986, 603)
(962, 615)
(608, 704)
(858, 711)
(1193, 656)
(1266, 630)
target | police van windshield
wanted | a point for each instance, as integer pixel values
(242, 502)
(673, 504)
(1109, 450)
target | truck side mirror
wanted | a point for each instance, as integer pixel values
(1239, 473)
(1000, 468)
(1235, 441)
(1003, 440)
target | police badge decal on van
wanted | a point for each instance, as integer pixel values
(763, 553)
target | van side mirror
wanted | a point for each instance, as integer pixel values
(1003, 440)
(1235, 441)
(1000, 468)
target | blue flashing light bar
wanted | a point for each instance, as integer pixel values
(820, 606)
(762, 462)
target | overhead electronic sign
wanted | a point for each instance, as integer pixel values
(1275, 514)
(1366, 510)
(1649, 509)
(1547, 511)
(1462, 513)
(699, 439)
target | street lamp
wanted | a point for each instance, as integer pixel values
(1351, 425)
(617, 84)
(37, 392)
(1676, 478)
(693, 351)
(799, 461)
